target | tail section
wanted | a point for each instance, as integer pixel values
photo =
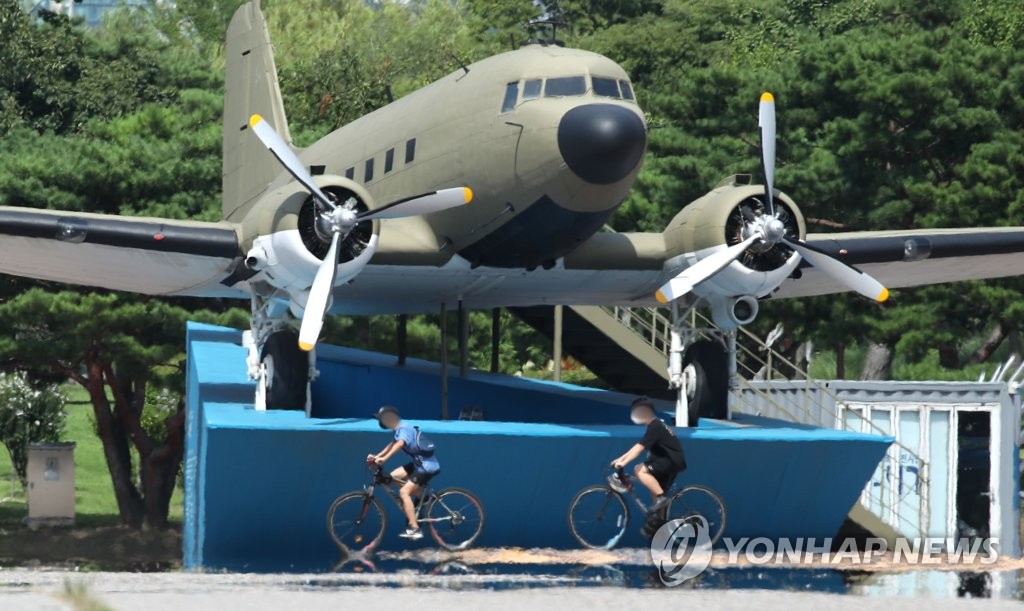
(250, 87)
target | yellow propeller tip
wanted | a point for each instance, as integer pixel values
(253, 120)
(767, 97)
(468, 194)
(883, 295)
(661, 297)
(305, 347)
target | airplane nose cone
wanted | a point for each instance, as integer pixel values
(601, 143)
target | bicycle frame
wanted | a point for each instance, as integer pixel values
(628, 480)
(392, 485)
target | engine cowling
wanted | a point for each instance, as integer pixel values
(716, 221)
(291, 243)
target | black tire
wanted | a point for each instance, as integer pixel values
(459, 518)
(287, 371)
(356, 522)
(710, 362)
(598, 517)
(700, 501)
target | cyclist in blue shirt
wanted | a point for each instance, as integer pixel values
(416, 474)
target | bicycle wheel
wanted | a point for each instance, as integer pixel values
(455, 518)
(356, 522)
(700, 501)
(598, 517)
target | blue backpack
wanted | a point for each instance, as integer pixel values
(424, 445)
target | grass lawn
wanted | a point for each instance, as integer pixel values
(94, 494)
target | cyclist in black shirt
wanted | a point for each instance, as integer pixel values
(665, 459)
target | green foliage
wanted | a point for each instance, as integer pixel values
(337, 62)
(29, 413)
(161, 404)
(517, 343)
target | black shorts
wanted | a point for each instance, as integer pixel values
(420, 478)
(664, 470)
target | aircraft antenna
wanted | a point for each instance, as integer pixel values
(458, 61)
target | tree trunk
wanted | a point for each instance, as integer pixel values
(115, 449)
(160, 471)
(949, 356)
(995, 337)
(878, 364)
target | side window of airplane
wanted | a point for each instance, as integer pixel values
(389, 160)
(410, 150)
(511, 94)
(350, 173)
(531, 89)
(607, 87)
(565, 86)
(627, 91)
(368, 175)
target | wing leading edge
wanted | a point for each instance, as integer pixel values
(901, 259)
(141, 255)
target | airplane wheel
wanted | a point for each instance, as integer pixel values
(709, 364)
(287, 371)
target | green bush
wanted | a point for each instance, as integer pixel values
(28, 414)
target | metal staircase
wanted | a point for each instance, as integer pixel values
(611, 350)
(629, 347)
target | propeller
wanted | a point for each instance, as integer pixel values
(768, 229)
(340, 220)
(766, 121)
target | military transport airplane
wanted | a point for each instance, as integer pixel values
(544, 141)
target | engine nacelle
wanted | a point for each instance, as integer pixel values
(290, 245)
(715, 222)
(733, 313)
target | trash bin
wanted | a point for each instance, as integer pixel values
(51, 484)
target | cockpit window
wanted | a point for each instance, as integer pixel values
(627, 91)
(511, 93)
(607, 87)
(564, 86)
(531, 89)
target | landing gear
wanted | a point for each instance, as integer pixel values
(281, 370)
(285, 371)
(702, 368)
(706, 364)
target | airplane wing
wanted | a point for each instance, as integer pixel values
(900, 259)
(142, 255)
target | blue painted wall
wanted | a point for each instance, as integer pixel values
(258, 484)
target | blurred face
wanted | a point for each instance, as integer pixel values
(641, 414)
(389, 420)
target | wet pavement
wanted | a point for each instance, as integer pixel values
(511, 578)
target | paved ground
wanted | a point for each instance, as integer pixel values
(512, 579)
(69, 590)
(177, 591)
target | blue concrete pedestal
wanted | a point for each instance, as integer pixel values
(258, 484)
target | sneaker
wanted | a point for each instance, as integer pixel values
(412, 533)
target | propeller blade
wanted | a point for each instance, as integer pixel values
(766, 120)
(319, 294)
(284, 153)
(704, 269)
(851, 277)
(427, 203)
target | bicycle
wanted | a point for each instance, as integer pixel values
(357, 521)
(599, 515)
